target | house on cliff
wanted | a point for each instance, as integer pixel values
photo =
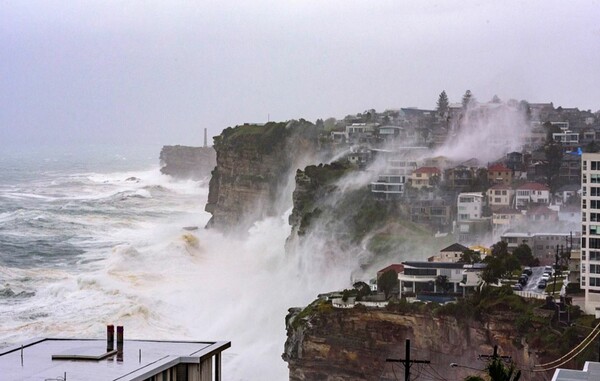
(421, 278)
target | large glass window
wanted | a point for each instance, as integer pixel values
(594, 243)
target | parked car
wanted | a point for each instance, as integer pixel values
(527, 270)
(523, 279)
(546, 276)
(542, 284)
(517, 287)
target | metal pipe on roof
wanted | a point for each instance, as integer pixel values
(119, 343)
(110, 337)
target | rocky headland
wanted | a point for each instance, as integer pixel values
(184, 162)
(327, 343)
(255, 164)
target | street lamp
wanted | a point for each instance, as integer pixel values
(455, 365)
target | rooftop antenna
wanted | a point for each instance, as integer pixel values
(205, 138)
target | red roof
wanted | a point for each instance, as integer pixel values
(534, 186)
(430, 170)
(396, 267)
(499, 167)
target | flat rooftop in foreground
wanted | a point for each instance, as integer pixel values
(90, 360)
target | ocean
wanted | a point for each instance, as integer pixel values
(96, 236)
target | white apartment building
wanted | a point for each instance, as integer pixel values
(590, 234)
(470, 206)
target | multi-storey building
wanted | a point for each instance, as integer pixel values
(425, 177)
(469, 206)
(590, 231)
(532, 193)
(500, 174)
(500, 196)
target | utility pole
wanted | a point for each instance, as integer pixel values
(495, 355)
(555, 267)
(407, 362)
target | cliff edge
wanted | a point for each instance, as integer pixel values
(255, 167)
(328, 343)
(185, 162)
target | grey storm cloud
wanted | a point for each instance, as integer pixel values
(161, 71)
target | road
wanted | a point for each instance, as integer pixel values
(532, 284)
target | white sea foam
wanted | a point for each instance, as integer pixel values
(142, 270)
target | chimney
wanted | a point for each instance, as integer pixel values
(205, 143)
(110, 337)
(119, 343)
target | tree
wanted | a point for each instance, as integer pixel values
(526, 109)
(551, 166)
(496, 99)
(500, 264)
(550, 129)
(441, 281)
(388, 282)
(362, 289)
(443, 104)
(499, 371)
(525, 256)
(467, 99)
(469, 257)
(329, 124)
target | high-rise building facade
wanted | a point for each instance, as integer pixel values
(590, 231)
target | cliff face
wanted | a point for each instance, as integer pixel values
(352, 344)
(187, 162)
(254, 164)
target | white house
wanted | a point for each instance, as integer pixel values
(421, 276)
(529, 193)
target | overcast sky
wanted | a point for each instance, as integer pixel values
(160, 71)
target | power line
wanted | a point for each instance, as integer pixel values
(407, 362)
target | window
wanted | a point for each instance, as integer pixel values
(595, 178)
(595, 165)
(594, 229)
(503, 193)
(497, 200)
(594, 269)
(584, 163)
(594, 191)
(594, 243)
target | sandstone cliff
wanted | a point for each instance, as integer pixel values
(187, 162)
(255, 165)
(325, 343)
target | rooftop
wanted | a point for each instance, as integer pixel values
(501, 186)
(427, 170)
(499, 167)
(534, 186)
(454, 247)
(434, 265)
(396, 267)
(90, 360)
